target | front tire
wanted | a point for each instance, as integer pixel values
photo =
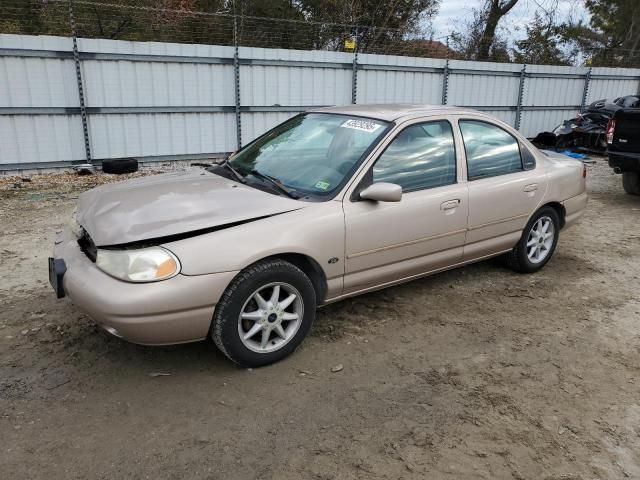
(264, 314)
(631, 182)
(538, 242)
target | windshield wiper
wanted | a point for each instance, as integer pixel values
(275, 182)
(234, 171)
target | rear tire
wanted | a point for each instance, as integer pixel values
(278, 319)
(631, 182)
(537, 244)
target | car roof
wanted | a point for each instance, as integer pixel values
(395, 111)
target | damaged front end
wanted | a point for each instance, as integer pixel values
(144, 210)
(587, 132)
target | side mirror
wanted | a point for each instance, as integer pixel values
(382, 192)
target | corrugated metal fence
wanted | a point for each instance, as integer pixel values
(158, 101)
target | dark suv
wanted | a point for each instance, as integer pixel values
(623, 139)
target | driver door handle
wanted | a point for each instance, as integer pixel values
(449, 204)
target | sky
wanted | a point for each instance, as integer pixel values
(454, 13)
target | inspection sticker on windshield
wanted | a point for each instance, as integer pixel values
(322, 185)
(364, 125)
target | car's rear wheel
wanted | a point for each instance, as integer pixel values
(264, 314)
(538, 242)
(631, 182)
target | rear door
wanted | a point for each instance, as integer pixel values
(425, 231)
(505, 187)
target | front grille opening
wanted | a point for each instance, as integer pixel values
(87, 246)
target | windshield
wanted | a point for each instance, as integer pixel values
(312, 153)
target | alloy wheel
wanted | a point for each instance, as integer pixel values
(270, 317)
(540, 240)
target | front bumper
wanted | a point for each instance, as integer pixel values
(177, 310)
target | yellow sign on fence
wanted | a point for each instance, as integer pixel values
(349, 44)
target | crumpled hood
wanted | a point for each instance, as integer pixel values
(172, 204)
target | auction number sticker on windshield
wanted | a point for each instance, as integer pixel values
(364, 125)
(323, 185)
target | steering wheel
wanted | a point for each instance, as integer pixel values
(344, 167)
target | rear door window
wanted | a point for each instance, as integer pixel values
(489, 149)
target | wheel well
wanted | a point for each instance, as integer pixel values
(311, 268)
(559, 208)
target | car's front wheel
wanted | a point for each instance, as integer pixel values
(264, 314)
(538, 242)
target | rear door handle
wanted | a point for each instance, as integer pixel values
(532, 187)
(449, 204)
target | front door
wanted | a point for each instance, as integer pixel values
(425, 231)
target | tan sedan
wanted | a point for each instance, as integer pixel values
(332, 203)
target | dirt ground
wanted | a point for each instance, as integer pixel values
(476, 373)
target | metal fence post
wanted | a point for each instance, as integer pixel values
(585, 91)
(523, 76)
(76, 59)
(236, 75)
(445, 82)
(354, 74)
(445, 77)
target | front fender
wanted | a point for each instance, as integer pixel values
(316, 231)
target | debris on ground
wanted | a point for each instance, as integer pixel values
(576, 155)
(65, 182)
(85, 169)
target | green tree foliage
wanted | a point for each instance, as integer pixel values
(404, 15)
(610, 38)
(33, 17)
(618, 24)
(618, 20)
(257, 29)
(302, 24)
(543, 43)
(23, 17)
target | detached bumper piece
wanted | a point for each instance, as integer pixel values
(57, 269)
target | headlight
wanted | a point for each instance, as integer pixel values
(142, 265)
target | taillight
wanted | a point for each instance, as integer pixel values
(584, 170)
(611, 128)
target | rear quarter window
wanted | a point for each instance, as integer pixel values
(528, 158)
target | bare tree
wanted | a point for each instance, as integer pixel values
(493, 12)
